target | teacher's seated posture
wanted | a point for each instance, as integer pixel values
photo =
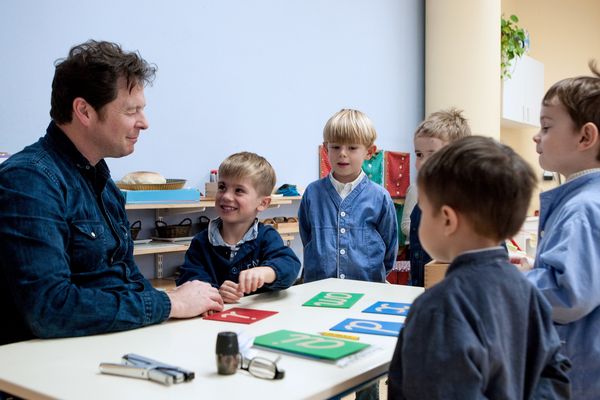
(66, 265)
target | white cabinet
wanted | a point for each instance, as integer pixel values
(522, 93)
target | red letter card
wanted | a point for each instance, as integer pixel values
(241, 315)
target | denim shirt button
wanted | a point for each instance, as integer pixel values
(93, 234)
(343, 214)
(343, 230)
(342, 251)
(342, 276)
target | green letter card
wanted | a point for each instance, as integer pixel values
(334, 300)
(327, 348)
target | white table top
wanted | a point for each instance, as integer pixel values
(68, 368)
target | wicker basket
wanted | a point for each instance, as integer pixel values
(171, 184)
(182, 229)
(135, 229)
(203, 222)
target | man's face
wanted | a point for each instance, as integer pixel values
(117, 125)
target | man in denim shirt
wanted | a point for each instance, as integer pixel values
(67, 266)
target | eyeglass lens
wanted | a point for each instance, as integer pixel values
(264, 368)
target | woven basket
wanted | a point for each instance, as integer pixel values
(135, 229)
(203, 222)
(183, 229)
(171, 184)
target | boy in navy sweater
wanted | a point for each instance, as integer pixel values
(484, 331)
(236, 253)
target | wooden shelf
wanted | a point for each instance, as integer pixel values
(205, 202)
(156, 247)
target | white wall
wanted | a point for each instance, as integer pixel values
(257, 75)
(261, 75)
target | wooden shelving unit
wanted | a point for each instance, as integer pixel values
(158, 248)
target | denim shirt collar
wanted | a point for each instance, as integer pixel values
(476, 257)
(98, 175)
(216, 239)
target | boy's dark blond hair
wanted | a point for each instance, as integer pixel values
(447, 125)
(349, 126)
(580, 96)
(482, 179)
(246, 165)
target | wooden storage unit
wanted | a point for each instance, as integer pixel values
(158, 248)
(434, 272)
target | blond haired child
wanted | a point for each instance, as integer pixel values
(436, 131)
(484, 331)
(236, 253)
(347, 223)
(567, 263)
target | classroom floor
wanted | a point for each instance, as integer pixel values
(382, 391)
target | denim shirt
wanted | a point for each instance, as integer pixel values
(483, 332)
(66, 265)
(353, 238)
(567, 272)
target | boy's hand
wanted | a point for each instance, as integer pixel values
(254, 278)
(230, 292)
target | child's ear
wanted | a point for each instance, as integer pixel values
(371, 150)
(450, 220)
(588, 136)
(264, 203)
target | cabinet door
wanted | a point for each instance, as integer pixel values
(523, 92)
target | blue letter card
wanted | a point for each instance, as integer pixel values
(384, 328)
(384, 307)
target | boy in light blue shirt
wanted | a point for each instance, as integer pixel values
(567, 263)
(348, 223)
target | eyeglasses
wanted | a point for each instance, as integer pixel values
(263, 368)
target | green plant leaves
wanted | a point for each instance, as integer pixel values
(512, 43)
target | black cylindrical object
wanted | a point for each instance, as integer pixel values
(227, 352)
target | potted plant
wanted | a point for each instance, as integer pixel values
(513, 43)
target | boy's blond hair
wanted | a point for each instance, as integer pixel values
(246, 165)
(580, 96)
(447, 125)
(349, 126)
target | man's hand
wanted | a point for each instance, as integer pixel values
(254, 278)
(194, 298)
(230, 292)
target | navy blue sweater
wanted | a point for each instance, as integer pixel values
(484, 332)
(212, 264)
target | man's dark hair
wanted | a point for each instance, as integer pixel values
(482, 179)
(92, 71)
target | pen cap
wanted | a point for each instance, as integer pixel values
(227, 343)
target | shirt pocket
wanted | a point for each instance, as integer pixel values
(87, 248)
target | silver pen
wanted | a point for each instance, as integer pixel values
(134, 371)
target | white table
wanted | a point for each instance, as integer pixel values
(68, 368)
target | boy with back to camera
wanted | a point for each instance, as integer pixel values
(567, 263)
(347, 223)
(236, 253)
(436, 131)
(489, 332)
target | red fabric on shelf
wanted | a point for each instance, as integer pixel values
(397, 173)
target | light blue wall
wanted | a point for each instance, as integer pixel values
(258, 75)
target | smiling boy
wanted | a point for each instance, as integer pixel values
(236, 253)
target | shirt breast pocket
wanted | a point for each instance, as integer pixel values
(87, 247)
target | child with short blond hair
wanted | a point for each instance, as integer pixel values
(236, 253)
(484, 331)
(436, 131)
(567, 263)
(347, 223)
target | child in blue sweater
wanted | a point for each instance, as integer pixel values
(484, 331)
(236, 253)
